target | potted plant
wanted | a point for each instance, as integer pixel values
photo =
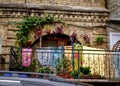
(45, 70)
(86, 38)
(74, 74)
(85, 72)
(62, 67)
(58, 64)
(99, 40)
(59, 30)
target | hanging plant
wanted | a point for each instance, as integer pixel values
(73, 38)
(59, 30)
(99, 40)
(31, 23)
(86, 38)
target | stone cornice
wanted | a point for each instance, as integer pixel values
(53, 7)
(82, 17)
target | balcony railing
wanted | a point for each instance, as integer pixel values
(67, 62)
(2, 62)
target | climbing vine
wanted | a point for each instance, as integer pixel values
(32, 23)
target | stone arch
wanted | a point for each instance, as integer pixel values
(57, 39)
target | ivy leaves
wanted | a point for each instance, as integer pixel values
(31, 23)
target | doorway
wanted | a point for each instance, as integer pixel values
(55, 40)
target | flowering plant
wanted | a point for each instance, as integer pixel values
(73, 37)
(86, 38)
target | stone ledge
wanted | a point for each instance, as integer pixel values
(53, 7)
(95, 80)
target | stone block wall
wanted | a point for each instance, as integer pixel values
(113, 24)
(79, 26)
(81, 21)
(114, 7)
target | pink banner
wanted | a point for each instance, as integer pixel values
(26, 57)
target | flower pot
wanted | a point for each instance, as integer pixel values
(29, 42)
(66, 75)
(71, 77)
(95, 77)
(85, 77)
(61, 75)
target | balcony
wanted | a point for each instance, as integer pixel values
(67, 62)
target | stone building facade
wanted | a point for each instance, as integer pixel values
(113, 26)
(83, 16)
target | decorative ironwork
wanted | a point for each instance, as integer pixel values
(99, 61)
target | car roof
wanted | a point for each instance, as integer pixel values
(53, 80)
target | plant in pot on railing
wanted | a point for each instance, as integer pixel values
(66, 67)
(99, 40)
(85, 72)
(45, 70)
(86, 38)
(62, 67)
(58, 63)
(74, 74)
(59, 30)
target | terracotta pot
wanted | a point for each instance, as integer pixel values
(95, 77)
(61, 75)
(29, 42)
(85, 77)
(66, 75)
(71, 77)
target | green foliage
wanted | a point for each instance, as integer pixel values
(45, 70)
(99, 40)
(62, 64)
(85, 70)
(74, 73)
(31, 23)
(81, 72)
(58, 64)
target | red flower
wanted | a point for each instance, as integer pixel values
(76, 55)
(39, 32)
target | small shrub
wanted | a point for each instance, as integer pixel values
(99, 40)
(85, 70)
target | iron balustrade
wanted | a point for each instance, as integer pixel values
(2, 62)
(101, 62)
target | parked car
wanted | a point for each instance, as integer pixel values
(51, 80)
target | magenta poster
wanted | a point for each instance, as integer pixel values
(26, 57)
